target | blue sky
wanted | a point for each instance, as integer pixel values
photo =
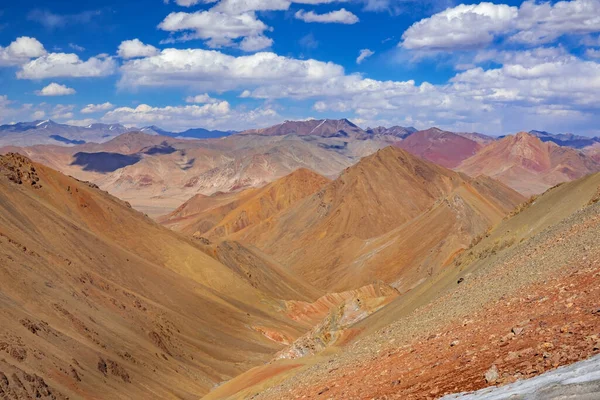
(234, 64)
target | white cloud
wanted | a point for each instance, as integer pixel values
(464, 26)
(62, 112)
(341, 16)
(593, 53)
(212, 116)
(201, 99)
(94, 108)
(66, 65)
(255, 43)
(364, 53)
(545, 22)
(189, 3)
(316, 2)
(477, 25)
(217, 28)
(55, 89)
(76, 47)
(21, 51)
(236, 7)
(147, 114)
(213, 70)
(135, 48)
(37, 115)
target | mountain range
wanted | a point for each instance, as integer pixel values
(286, 262)
(50, 132)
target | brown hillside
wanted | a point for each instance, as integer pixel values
(522, 301)
(234, 212)
(441, 147)
(527, 164)
(99, 301)
(392, 217)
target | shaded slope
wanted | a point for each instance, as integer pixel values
(390, 211)
(99, 301)
(527, 164)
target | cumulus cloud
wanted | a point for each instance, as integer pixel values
(217, 28)
(147, 114)
(540, 86)
(218, 115)
(55, 89)
(55, 65)
(214, 70)
(544, 22)
(62, 112)
(341, 16)
(94, 108)
(363, 54)
(37, 115)
(477, 25)
(255, 43)
(201, 99)
(236, 7)
(135, 48)
(593, 53)
(21, 51)
(464, 26)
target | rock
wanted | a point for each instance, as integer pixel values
(492, 375)
(454, 343)
(461, 280)
(517, 330)
(325, 389)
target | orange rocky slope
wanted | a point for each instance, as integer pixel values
(97, 300)
(527, 164)
(223, 214)
(391, 217)
(520, 302)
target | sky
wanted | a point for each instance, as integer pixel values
(489, 67)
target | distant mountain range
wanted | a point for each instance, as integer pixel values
(50, 132)
(566, 139)
(343, 132)
(194, 133)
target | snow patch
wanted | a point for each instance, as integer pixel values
(583, 372)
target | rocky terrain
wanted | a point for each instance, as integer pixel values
(527, 164)
(312, 259)
(97, 298)
(157, 171)
(156, 174)
(243, 209)
(441, 147)
(520, 302)
(362, 226)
